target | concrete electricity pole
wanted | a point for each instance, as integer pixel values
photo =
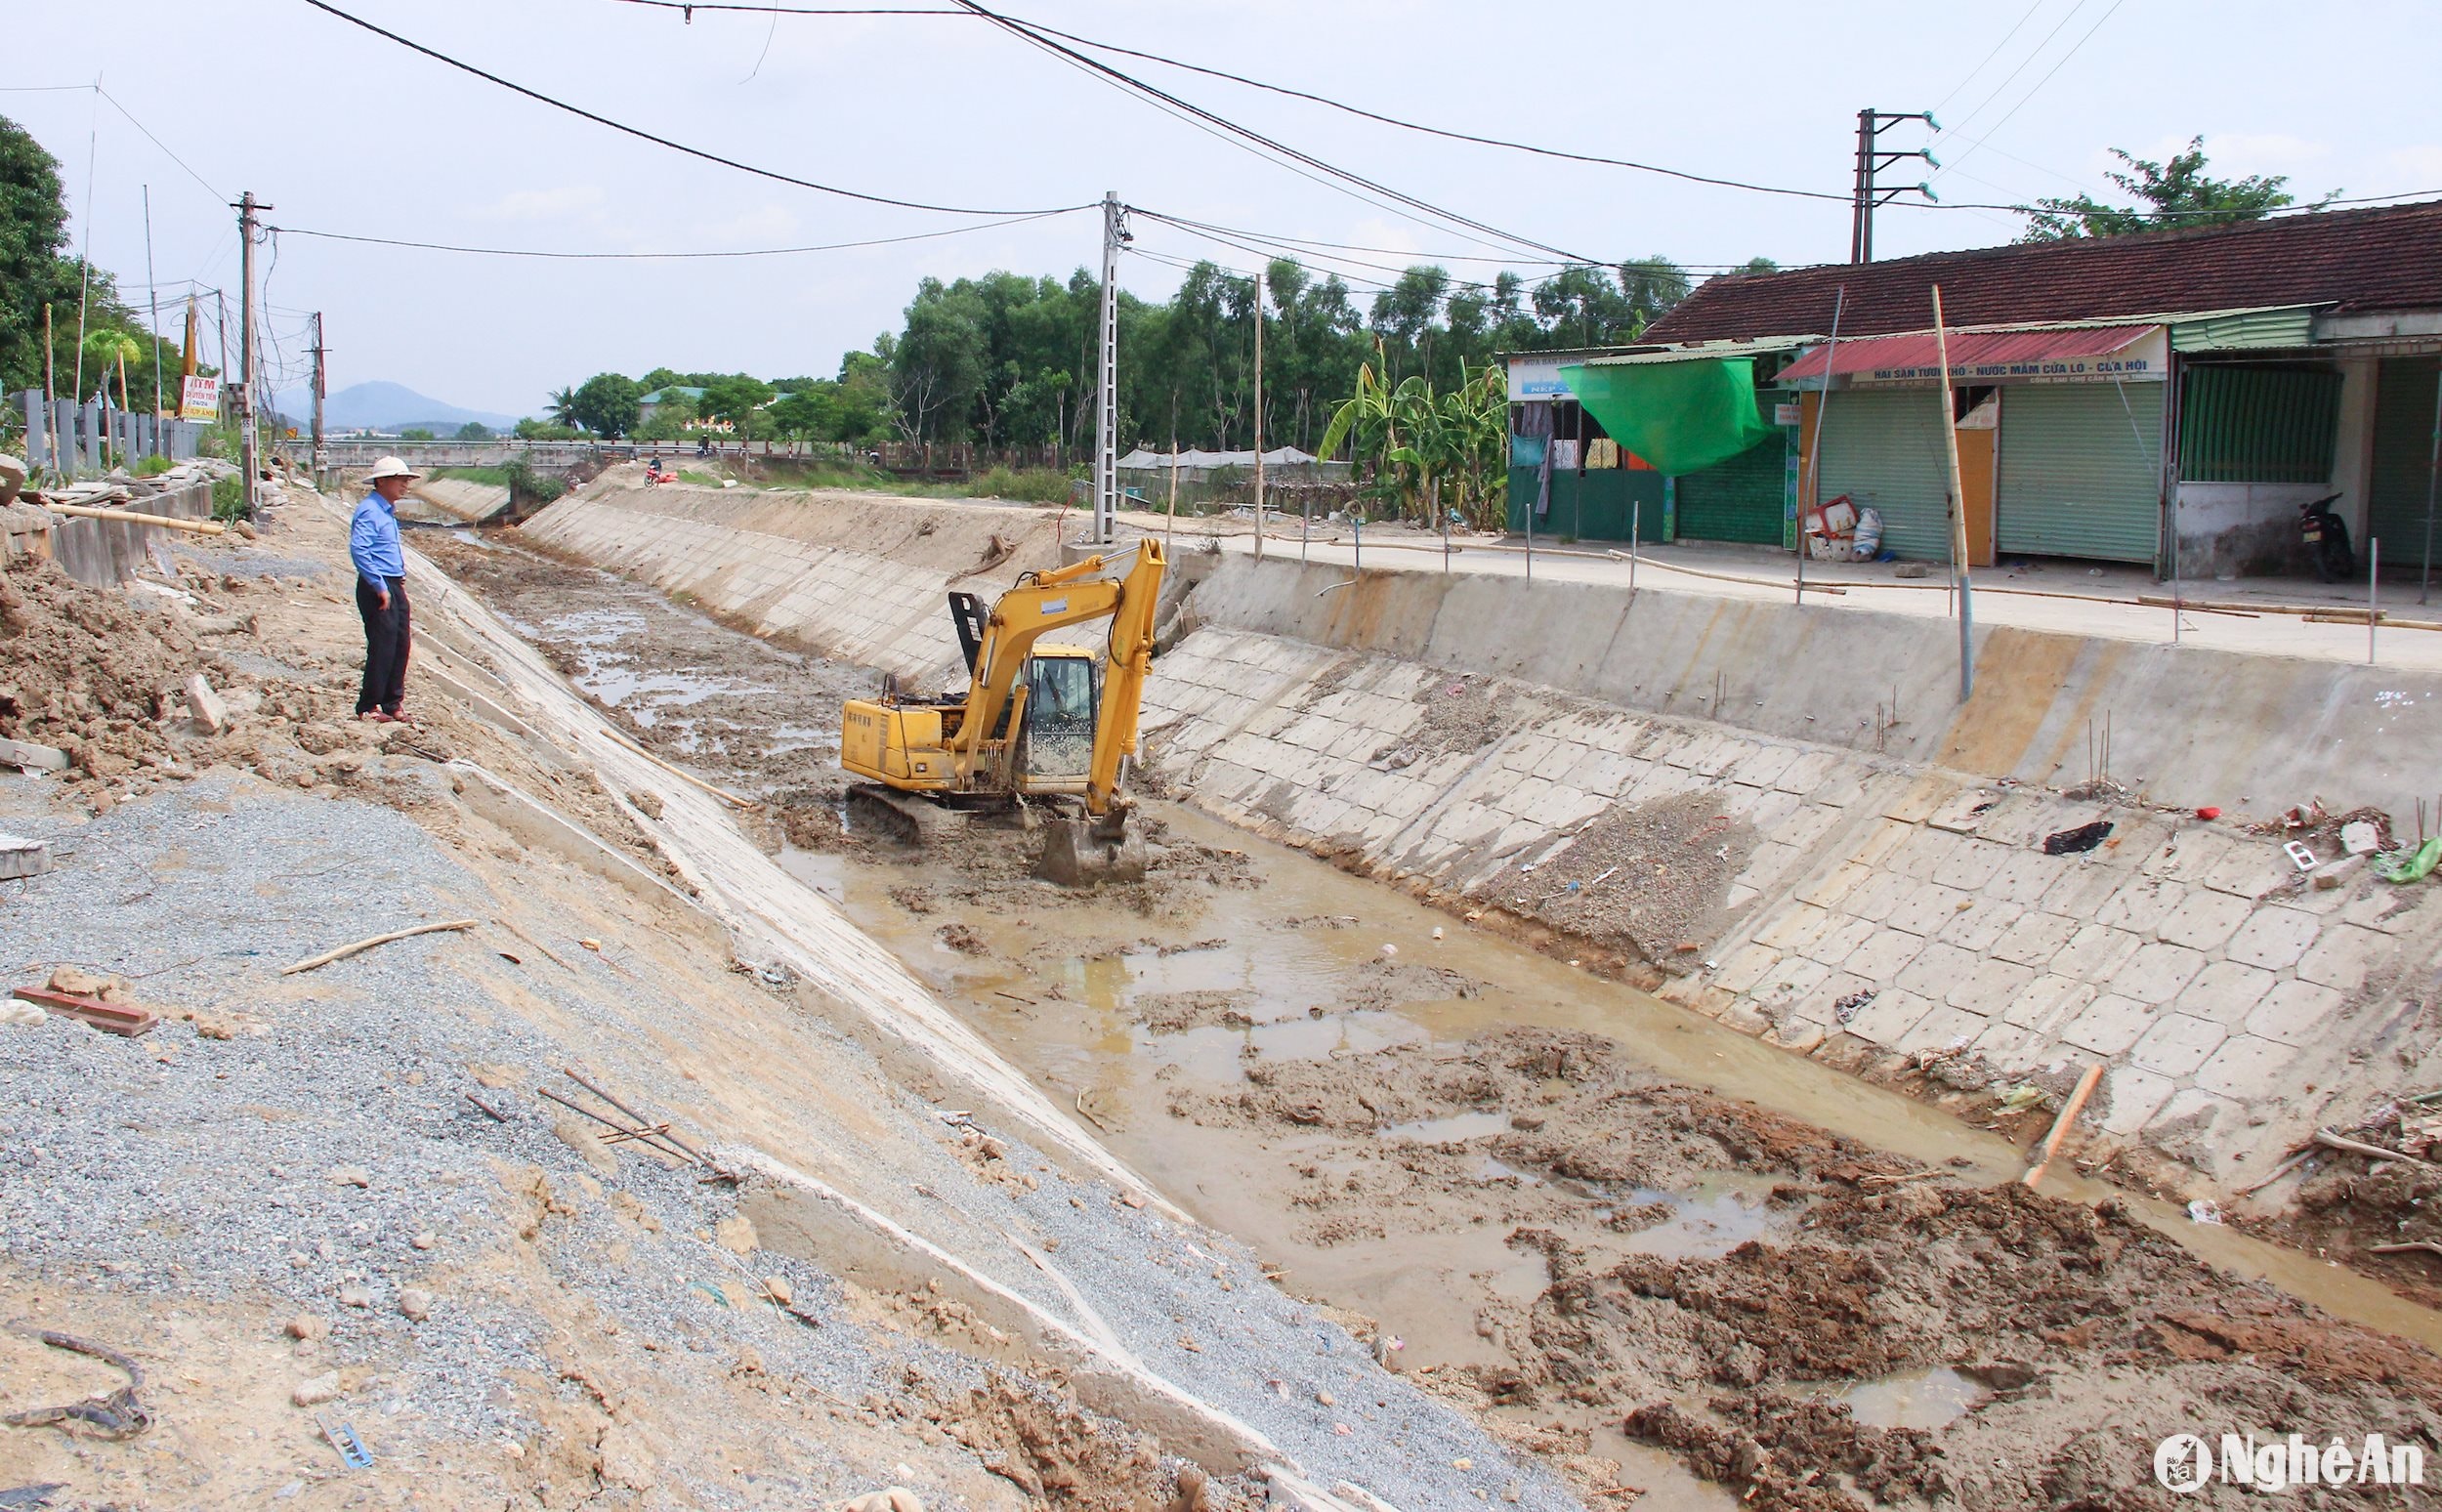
(247, 225)
(318, 460)
(1259, 283)
(154, 291)
(1107, 383)
(1865, 196)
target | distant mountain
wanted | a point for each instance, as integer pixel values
(387, 406)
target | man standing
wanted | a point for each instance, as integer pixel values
(382, 591)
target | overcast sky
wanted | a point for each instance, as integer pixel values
(342, 131)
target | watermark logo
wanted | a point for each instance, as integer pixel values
(2185, 1463)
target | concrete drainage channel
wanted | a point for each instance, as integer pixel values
(1640, 1248)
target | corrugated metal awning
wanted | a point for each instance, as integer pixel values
(1701, 350)
(2241, 330)
(1973, 355)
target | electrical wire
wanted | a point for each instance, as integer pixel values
(1423, 257)
(641, 134)
(646, 256)
(1996, 127)
(1989, 56)
(1248, 133)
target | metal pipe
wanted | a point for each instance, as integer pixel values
(1636, 510)
(2373, 592)
(2433, 472)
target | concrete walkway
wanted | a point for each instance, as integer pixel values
(2075, 605)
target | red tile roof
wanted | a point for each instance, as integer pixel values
(2387, 258)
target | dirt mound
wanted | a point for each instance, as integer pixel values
(1061, 1457)
(1175, 1013)
(1648, 879)
(1719, 1279)
(86, 669)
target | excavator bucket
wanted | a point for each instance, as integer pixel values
(1082, 850)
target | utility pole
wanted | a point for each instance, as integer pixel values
(1259, 290)
(50, 392)
(155, 292)
(1865, 196)
(317, 397)
(1960, 568)
(1107, 396)
(246, 208)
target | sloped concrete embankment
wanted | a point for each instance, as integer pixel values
(1892, 900)
(845, 575)
(463, 499)
(1784, 811)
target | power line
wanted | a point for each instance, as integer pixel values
(2033, 53)
(659, 141)
(1996, 127)
(1131, 82)
(1989, 56)
(536, 252)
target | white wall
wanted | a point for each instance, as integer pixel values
(2232, 529)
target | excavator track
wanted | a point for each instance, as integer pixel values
(902, 818)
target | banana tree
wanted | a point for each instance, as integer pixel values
(1371, 422)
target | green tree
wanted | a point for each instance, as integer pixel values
(531, 428)
(670, 417)
(560, 407)
(734, 399)
(474, 431)
(415, 433)
(662, 378)
(2175, 194)
(605, 405)
(33, 233)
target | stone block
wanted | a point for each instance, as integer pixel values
(1794, 927)
(2141, 904)
(1979, 927)
(2047, 1003)
(2295, 1013)
(2273, 938)
(2249, 868)
(2023, 876)
(1829, 890)
(1806, 773)
(1970, 865)
(1788, 983)
(2249, 1067)
(1928, 910)
(1745, 967)
(2178, 1043)
(2156, 972)
(1882, 842)
(1884, 954)
(1921, 799)
(1990, 989)
(2225, 992)
(2033, 938)
(2110, 1025)
(1891, 1014)
(1937, 969)
(2082, 887)
(1924, 853)
(1940, 1029)
(2009, 1046)
(2095, 952)
(1764, 766)
(2339, 958)
(1839, 938)
(2130, 1097)
(2204, 920)
(2192, 1113)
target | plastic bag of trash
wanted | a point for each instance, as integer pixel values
(2407, 865)
(1868, 539)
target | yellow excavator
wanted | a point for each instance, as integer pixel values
(1037, 720)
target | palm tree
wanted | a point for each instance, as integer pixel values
(107, 346)
(563, 408)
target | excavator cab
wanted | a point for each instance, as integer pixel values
(1048, 728)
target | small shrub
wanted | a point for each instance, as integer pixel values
(153, 467)
(1026, 485)
(228, 498)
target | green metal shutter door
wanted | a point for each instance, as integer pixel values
(2081, 472)
(1885, 449)
(2403, 451)
(1739, 500)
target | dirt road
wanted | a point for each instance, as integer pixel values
(1659, 1255)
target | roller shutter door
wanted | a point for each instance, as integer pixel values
(2080, 473)
(1739, 500)
(1885, 449)
(2403, 452)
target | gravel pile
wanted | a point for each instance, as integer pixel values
(306, 1154)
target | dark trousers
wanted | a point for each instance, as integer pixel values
(386, 639)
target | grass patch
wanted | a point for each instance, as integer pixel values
(496, 477)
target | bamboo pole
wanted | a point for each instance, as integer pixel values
(132, 516)
(2068, 1112)
(1959, 512)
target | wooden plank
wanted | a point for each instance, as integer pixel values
(112, 1018)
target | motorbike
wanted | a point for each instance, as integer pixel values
(2327, 539)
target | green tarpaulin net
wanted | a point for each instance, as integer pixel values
(1682, 417)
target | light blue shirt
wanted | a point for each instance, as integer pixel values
(374, 543)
